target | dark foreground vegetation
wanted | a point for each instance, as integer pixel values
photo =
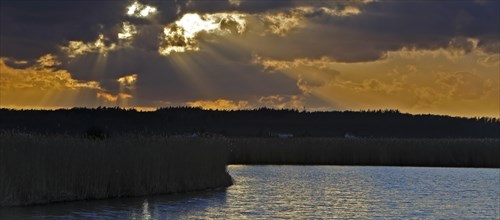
(38, 169)
(64, 155)
(247, 123)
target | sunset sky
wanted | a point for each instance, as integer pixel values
(438, 57)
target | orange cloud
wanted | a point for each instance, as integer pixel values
(43, 87)
(41, 77)
(219, 104)
(443, 81)
(282, 102)
(113, 98)
(128, 81)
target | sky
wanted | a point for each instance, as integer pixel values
(421, 57)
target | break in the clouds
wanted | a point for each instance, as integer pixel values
(416, 56)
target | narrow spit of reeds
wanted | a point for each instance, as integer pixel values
(38, 169)
(367, 151)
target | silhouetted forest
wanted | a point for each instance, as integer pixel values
(264, 122)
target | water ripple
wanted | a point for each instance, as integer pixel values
(307, 192)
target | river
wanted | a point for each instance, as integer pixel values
(306, 192)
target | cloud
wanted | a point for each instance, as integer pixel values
(381, 27)
(441, 81)
(128, 82)
(38, 28)
(219, 104)
(48, 60)
(326, 54)
(113, 99)
(43, 86)
(181, 36)
(235, 2)
(41, 76)
(465, 85)
(283, 22)
(139, 10)
(310, 74)
(272, 101)
(77, 48)
(127, 14)
(283, 102)
(353, 30)
(128, 31)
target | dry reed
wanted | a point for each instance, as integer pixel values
(37, 169)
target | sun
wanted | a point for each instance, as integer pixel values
(180, 36)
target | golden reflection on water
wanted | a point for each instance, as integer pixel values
(289, 194)
(144, 215)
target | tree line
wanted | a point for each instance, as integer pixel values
(263, 122)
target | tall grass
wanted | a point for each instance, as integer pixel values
(382, 151)
(37, 169)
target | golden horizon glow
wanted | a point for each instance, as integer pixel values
(441, 81)
(219, 104)
(113, 98)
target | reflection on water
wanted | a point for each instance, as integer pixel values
(307, 192)
(175, 206)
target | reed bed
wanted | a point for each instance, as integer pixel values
(367, 151)
(38, 169)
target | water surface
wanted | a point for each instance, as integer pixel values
(307, 192)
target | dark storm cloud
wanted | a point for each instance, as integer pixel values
(247, 6)
(391, 25)
(429, 24)
(222, 67)
(30, 29)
